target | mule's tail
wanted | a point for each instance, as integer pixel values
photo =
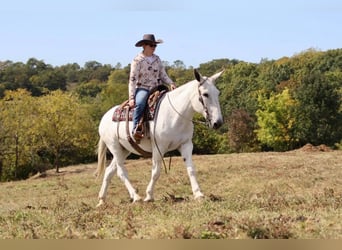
(101, 158)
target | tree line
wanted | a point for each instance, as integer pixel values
(49, 115)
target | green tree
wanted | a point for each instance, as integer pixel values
(276, 121)
(318, 116)
(208, 141)
(49, 79)
(89, 89)
(71, 72)
(178, 64)
(118, 76)
(17, 118)
(113, 94)
(14, 75)
(239, 87)
(65, 129)
(35, 66)
(34, 76)
(216, 65)
(94, 70)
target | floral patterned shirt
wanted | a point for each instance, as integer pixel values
(146, 72)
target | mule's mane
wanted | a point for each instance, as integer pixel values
(186, 86)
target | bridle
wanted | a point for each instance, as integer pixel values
(206, 110)
(200, 98)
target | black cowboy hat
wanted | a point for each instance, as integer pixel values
(148, 39)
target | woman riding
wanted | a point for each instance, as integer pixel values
(147, 72)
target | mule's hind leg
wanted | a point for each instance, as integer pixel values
(123, 175)
(109, 173)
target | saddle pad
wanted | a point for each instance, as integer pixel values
(120, 113)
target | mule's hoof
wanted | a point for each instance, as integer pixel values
(136, 198)
(101, 203)
(199, 196)
(148, 199)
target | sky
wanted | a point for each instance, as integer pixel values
(193, 31)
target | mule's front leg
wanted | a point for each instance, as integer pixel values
(154, 177)
(186, 152)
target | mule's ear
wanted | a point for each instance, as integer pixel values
(217, 75)
(197, 75)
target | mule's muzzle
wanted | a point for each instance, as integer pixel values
(217, 124)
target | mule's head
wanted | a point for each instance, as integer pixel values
(208, 99)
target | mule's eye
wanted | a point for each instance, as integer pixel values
(205, 95)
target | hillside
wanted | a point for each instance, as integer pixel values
(275, 105)
(296, 194)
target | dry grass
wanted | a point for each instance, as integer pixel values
(295, 194)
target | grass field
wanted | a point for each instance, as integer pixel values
(295, 194)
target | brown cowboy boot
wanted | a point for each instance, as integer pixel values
(138, 134)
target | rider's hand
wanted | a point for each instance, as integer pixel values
(131, 103)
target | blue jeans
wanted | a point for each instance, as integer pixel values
(141, 96)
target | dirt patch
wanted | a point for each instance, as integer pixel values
(311, 148)
(76, 169)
